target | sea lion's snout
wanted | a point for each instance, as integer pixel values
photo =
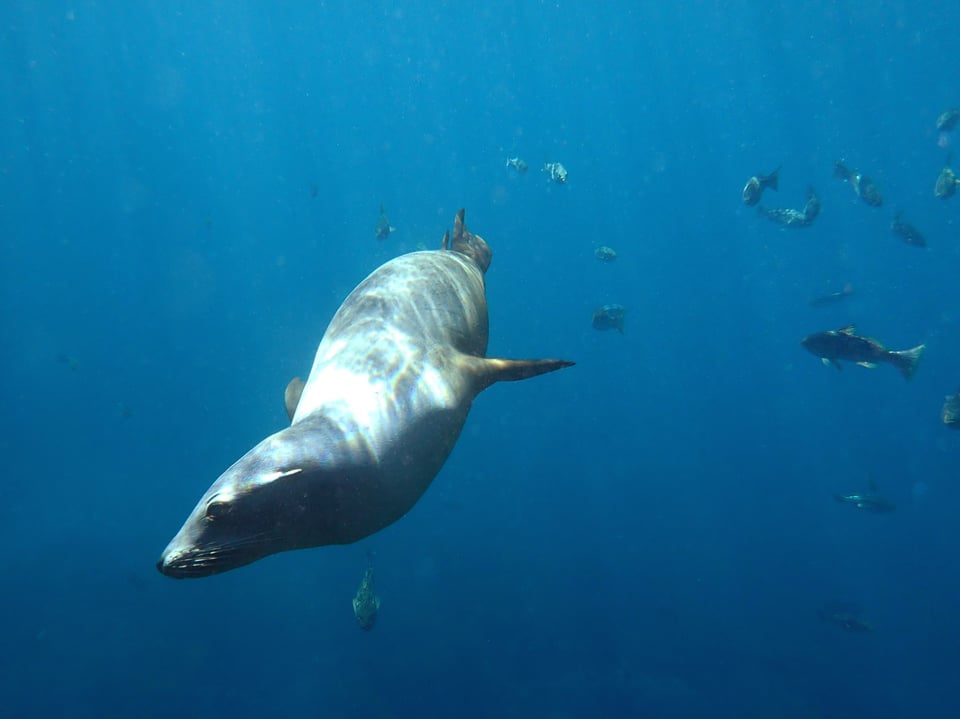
(182, 564)
(196, 562)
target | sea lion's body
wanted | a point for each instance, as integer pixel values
(393, 380)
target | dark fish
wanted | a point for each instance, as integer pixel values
(907, 232)
(868, 502)
(948, 120)
(833, 297)
(947, 182)
(951, 410)
(517, 164)
(366, 603)
(605, 254)
(384, 228)
(757, 184)
(795, 218)
(69, 360)
(844, 344)
(609, 317)
(845, 615)
(861, 184)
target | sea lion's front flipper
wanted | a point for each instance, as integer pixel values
(291, 396)
(489, 370)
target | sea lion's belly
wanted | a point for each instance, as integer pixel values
(387, 372)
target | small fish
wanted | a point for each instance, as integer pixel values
(366, 603)
(907, 232)
(757, 184)
(948, 120)
(951, 410)
(947, 182)
(556, 171)
(784, 216)
(517, 164)
(384, 228)
(868, 502)
(832, 298)
(846, 616)
(609, 317)
(844, 344)
(795, 218)
(69, 360)
(862, 185)
(605, 254)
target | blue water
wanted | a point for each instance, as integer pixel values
(189, 190)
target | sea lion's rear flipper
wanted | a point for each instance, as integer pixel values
(291, 396)
(488, 370)
(467, 243)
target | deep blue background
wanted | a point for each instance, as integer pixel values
(649, 532)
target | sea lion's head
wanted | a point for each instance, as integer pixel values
(291, 491)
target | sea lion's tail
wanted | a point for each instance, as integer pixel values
(489, 370)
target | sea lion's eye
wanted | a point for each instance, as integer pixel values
(216, 510)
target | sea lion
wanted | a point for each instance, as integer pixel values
(393, 380)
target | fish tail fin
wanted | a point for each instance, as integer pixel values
(907, 361)
(840, 170)
(489, 370)
(773, 179)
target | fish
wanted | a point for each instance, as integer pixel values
(950, 414)
(946, 184)
(384, 228)
(609, 317)
(556, 172)
(907, 232)
(755, 186)
(832, 298)
(517, 164)
(948, 120)
(366, 603)
(845, 615)
(795, 218)
(869, 502)
(862, 185)
(605, 254)
(784, 216)
(845, 344)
